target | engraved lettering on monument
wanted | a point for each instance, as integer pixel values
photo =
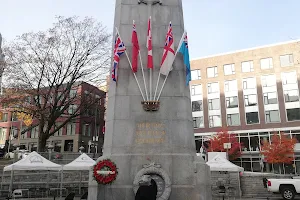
(150, 133)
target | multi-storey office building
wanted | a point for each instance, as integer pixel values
(253, 93)
(85, 130)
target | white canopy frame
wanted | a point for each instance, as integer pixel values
(33, 161)
(81, 163)
(219, 163)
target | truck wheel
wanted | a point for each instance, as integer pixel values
(288, 193)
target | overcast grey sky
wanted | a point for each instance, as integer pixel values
(214, 26)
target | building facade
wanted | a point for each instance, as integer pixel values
(85, 130)
(252, 93)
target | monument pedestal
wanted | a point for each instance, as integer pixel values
(158, 141)
(187, 179)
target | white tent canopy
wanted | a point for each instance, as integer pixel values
(83, 162)
(218, 163)
(33, 161)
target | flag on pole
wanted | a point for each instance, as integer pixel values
(135, 49)
(119, 49)
(149, 45)
(169, 53)
(184, 49)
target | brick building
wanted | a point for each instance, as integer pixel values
(85, 130)
(252, 93)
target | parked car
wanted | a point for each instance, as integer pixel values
(2, 153)
(288, 188)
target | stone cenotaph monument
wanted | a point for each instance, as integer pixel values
(156, 137)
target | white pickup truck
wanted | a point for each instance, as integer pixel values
(287, 187)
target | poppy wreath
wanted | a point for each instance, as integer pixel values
(105, 165)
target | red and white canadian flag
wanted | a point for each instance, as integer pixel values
(149, 45)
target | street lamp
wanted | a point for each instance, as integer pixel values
(50, 148)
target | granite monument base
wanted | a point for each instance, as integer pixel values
(189, 177)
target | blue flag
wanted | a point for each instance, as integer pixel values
(184, 49)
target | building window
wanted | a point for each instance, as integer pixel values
(213, 88)
(270, 98)
(249, 83)
(233, 119)
(293, 114)
(71, 128)
(73, 93)
(89, 131)
(213, 104)
(196, 89)
(272, 116)
(197, 106)
(27, 99)
(291, 95)
(2, 134)
(4, 117)
(38, 99)
(215, 121)
(229, 69)
(268, 80)
(250, 100)
(196, 74)
(286, 60)
(230, 86)
(84, 129)
(289, 77)
(252, 118)
(198, 122)
(24, 135)
(59, 132)
(72, 109)
(232, 102)
(50, 99)
(247, 66)
(212, 72)
(14, 117)
(34, 132)
(266, 63)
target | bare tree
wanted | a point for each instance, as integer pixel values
(48, 65)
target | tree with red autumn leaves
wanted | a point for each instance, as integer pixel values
(280, 150)
(216, 144)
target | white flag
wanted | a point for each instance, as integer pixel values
(169, 53)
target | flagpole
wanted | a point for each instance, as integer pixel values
(156, 87)
(143, 75)
(150, 83)
(142, 66)
(180, 42)
(131, 67)
(151, 69)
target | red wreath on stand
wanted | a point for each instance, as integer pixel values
(110, 172)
